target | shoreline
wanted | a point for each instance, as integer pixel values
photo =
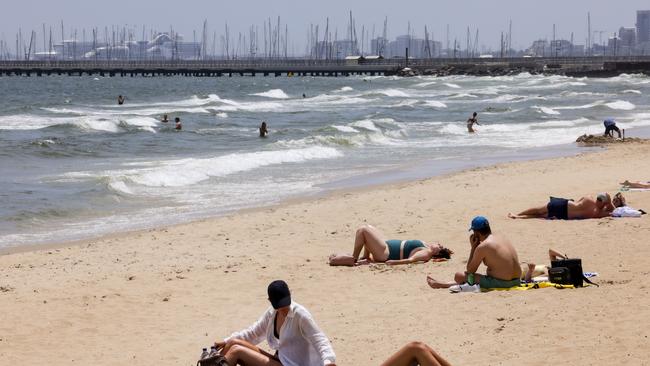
(161, 295)
(421, 171)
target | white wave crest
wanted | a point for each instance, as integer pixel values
(621, 105)
(346, 129)
(452, 85)
(273, 93)
(185, 172)
(547, 110)
(435, 104)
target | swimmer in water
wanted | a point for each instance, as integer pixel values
(470, 123)
(120, 100)
(263, 130)
(178, 124)
(164, 119)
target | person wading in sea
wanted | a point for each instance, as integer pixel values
(120, 99)
(470, 123)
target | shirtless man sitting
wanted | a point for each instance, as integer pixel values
(495, 251)
(564, 209)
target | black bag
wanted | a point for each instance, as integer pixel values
(559, 275)
(568, 272)
(217, 360)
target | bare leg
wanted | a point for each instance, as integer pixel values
(341, 260)
(635, 184)
(372, 241)
(416, 353)
(242, 355)
(532, 213)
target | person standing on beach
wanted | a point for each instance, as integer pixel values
(471, 121)
(610, 127)
(263, 130)
(120, 99)
(288, 328)
(179, 126)
(495, 251)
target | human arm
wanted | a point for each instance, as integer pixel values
(476, 255)
(423, 255)
(316, 338)
(554, 255)
(256, 333)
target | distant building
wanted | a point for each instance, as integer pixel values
(643, 26)
(539, 48)
(627, 36)
(418, 47)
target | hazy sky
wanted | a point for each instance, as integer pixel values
(531, 19)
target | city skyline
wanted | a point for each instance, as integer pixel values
(529, 23)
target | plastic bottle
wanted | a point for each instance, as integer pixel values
(204, 354)
(213, 351)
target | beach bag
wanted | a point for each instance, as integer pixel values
(559, 275)
(217, 360)
(568, 272)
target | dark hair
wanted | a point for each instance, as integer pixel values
(475, 114)
(177, 119)
(444, 253)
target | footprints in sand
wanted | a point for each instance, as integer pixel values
(504, 322)
(6, 288)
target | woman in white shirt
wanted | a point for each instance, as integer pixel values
(288, 328)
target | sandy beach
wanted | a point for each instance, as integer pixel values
(158, 296)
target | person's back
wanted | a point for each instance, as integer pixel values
(501, 258)
(588, 208)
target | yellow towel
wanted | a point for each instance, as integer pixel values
(530, 286)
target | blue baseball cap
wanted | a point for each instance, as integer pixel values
(479, 223)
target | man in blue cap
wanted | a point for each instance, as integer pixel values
(495, 251)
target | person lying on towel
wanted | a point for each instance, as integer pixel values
(566, 209)
(495, 251)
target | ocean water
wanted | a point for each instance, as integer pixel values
(74, 164)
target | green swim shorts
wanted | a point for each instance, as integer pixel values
(491, 282)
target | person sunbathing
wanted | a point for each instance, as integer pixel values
(495, 251)
(642, 185)
(416, 353)
(532, 270)
(566, 209)
(376, 249)
(288, 328)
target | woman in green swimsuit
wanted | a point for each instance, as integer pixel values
(377, 249)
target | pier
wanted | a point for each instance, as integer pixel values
(573, 66)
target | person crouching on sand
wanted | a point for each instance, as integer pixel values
(377, 249)
(495, 251)
(288, 328)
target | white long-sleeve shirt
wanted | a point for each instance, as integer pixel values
(301, 342)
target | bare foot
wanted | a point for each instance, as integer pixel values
(436, 284)
(512, 216)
